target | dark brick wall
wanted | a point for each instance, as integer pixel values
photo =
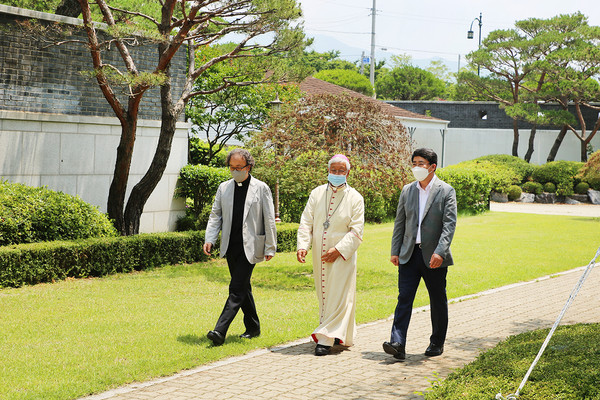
(36, 77)
(462, 114)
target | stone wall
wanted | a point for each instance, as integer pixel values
(57, 129)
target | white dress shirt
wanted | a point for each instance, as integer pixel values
(423, 196)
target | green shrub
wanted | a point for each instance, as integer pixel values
(51, 261)
(514, 192)
(287, 234)
(500, 176)
(472, 187)
(30, 215)
(521, 167)
(533, 187)
(199, 183)
(582, 188)
(549, 187)
(590, 172)
(28, 264)
(561, 173)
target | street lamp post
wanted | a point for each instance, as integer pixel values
(276, 105)
(470, 35)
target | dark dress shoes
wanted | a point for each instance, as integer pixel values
(395, 349)
(434, 350)
(216, 337)
(321, 350)
(250, 335)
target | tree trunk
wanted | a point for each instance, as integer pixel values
(515, 148)
(530, 147)
(118, 186)
(557, 143)
(584, 144)
(144, 188)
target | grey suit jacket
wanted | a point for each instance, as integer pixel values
(437, 227)
(258, 226)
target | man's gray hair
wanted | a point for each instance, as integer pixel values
(241, 152)
(339, 159)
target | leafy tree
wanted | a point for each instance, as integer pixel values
(299, 139)
(236, 110)
(541, 60)
(349, 79)
(178, 22)
(315, 61)
(409, 83)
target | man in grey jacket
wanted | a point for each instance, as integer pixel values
(243, 210)
(423, 230)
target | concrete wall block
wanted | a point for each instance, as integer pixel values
(11, 144)
(94, 189)
(178, 156)
(161, 197)
(105, 154)
(41, 154)
(77, 154)
(60, 183)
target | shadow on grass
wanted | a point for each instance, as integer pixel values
(194, 340)
(296, 277)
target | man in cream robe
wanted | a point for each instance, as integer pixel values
(333, 222)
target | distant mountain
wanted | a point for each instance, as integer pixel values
(323, 43)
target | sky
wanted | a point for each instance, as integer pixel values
(423, 29)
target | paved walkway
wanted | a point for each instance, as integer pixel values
(364, 371)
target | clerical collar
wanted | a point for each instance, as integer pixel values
(334, 189)
(245, 182)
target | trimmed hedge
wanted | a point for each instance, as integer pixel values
(29, 264)
(37, 214)
(533, 187)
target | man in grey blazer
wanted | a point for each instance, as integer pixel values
(243, 210)
(423, 230)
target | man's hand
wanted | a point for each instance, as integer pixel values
(267, 258)
(436, 261)
(207, 248)
(331, 255)
(301, 255)
(395, 260)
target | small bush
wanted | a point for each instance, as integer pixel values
(30, 215)
(472, 188)
(550, 187)
(533, 187)
(199, 183)
(500, 176)
(582, 188)
(519, 166)
(561, 173)
(590, 172)
(514, 192)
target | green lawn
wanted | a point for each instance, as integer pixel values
(72, 338)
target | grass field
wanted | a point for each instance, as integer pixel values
(76, 337)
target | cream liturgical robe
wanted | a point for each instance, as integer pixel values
(335, 282)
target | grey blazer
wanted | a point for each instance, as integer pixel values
(437, 227)
(258, 226)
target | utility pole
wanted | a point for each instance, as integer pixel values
(372, 71)
(362, 63)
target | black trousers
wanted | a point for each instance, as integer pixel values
(409, 277)
(240, 293)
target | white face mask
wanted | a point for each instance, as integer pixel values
(420, 173)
